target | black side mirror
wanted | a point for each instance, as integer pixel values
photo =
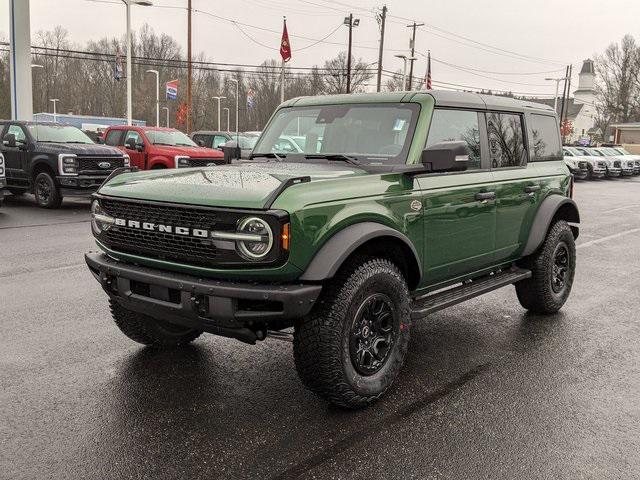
(100, 140)
(446, 157)
(130, 144)
(231, 151)
(9, 140)
(139, 147)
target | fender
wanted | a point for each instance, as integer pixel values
(547, 211)
(337, 249)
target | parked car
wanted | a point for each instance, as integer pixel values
(3, 179)
(596, 168)
(152, 148)
(54, 161)
(409, 205)
(627, 165)
(578, 167)
(614, 167)
(211, 138)
(246, 142)
(630, 156)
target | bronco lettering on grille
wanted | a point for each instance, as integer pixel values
(161, 228)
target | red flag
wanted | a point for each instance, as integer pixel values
(285, 47)
(428, 77)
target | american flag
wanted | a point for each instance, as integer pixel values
(427, 79)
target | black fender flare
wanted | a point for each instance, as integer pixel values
(544, 216)
(340, 246)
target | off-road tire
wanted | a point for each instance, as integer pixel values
(321, 344)
(46, 191)
(149, 331)
(537, 293)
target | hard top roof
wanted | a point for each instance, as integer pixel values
(443, 98)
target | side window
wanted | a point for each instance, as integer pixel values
(449, 125)
(506, 140)
(132, 134)
(17, 130)
(219, 140)
(112, 138)
(567, 153)
(546, 138)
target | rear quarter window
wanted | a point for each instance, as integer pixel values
(545, 136)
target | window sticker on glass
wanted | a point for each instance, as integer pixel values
(399, 124)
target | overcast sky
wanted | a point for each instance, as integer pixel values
(536, 37)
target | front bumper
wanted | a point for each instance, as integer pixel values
(614, 172)
(628, 171)
(238, 310)
(80, 185)
(579, 173)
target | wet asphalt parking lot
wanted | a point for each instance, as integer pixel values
(488, 391)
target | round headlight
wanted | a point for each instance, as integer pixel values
(259, 238)
(100, 221)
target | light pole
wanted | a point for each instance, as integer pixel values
(555, 99)
(237, 103)
(227, 110)
(128, 3)
(404, 68)
(351, 22)
(157, 74)
(54, 100)
(167, 109)
(219, 100)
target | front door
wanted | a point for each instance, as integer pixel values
(16, 157)
(459, 208)
(137, 157)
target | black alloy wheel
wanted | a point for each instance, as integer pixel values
(373, 334)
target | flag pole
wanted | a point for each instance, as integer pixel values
(284, 20)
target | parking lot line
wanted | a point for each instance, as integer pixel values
(607, 238)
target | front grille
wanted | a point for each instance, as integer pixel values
(186, 249)
(582, 165)
(203, 162)
(602, 164)
(92, 164)
(617, 164)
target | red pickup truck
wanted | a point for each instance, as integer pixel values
(154, 147)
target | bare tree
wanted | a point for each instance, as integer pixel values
(336, 80)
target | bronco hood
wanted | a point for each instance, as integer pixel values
(243, 185)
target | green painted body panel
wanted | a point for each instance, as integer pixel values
(454, 234)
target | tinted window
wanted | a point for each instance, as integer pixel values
(546, 138)
(506, 140)
(21, 137)
(112, 138)
(451, 125)
(205, 139)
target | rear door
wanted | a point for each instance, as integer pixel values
(459, 208)
(520, 184)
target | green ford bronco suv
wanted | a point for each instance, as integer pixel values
(391, 207)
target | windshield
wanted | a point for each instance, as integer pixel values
(622, 151)
(609, 152)
(370, 133)
(58, 134)
(169, 137)
(589, 152)
(574, 150)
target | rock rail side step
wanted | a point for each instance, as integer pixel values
(430, 303)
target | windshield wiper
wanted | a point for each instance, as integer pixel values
(277, 157)
(75, 141)
(167, 144)
(334, 157)
(185, 145)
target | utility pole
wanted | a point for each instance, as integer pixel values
(413, 49)
(566, 111)
(189, 69)
(383, 19)
(564, 94)
(349, 53)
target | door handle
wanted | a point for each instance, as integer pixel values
(484, 196)
(531, 188)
